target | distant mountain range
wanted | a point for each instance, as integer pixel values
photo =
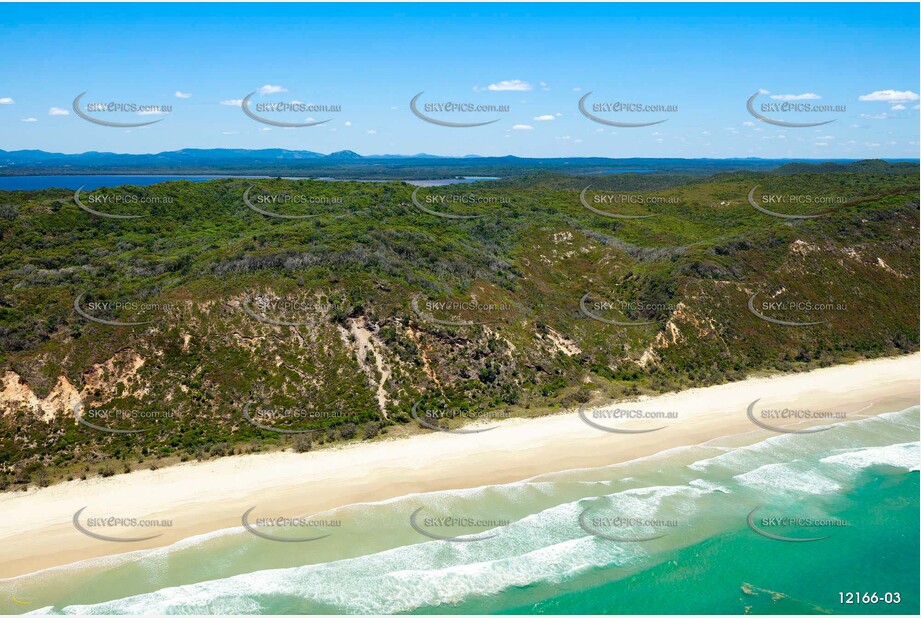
(350, 164)
(26, 157)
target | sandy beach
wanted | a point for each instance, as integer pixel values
(38, 530)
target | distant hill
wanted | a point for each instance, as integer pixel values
(344, 154)
(867, 166)
(347, 164)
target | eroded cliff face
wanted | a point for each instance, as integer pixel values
(319, 320)
(117, 376)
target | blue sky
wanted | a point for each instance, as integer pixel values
(538, 60)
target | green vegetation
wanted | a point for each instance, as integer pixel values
(309, 324)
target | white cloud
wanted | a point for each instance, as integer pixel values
(266, 129)
(182, 95)
(371, 131)
(270, 89)
(523, 127)
(577, 89)
(897, 106)
(6, 101)
(705, 133)
(882, 116)
(889, 96)
(509, 84)
(748, 123)
(544, 118)
(348, 123)
(234, 102)
(57, 111)
(150, 113)
(806, 96)
(230, 132)
(29, 120)
(825, 137)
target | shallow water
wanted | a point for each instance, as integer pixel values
(705, 559)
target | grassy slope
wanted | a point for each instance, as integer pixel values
(349, 274)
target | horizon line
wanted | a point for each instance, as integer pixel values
(421, 155)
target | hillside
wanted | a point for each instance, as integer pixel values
(349, 165)
(346, 322)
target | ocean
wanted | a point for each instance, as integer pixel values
(689, 530)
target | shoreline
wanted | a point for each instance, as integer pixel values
(203, 497)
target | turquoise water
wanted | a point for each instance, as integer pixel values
(704, 558)
(749, 574)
